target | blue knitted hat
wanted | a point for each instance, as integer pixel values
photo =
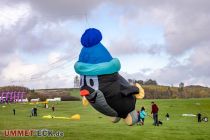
(94, 58)
(93, 52)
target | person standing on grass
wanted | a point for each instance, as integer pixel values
(53, 108)
(167, 116)
(154, 111)
(45, 105)
(32, 112)
(199, 117)
(14, 112)
(35, 111)
(143, 114)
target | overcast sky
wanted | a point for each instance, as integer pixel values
(165, 40)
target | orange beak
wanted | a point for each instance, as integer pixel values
(84, 92)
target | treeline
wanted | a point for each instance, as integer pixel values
(14, 88)
(64, 93)
(151, 88)
(166, 92)
(44, 94)
(155, 91)
(141, 82)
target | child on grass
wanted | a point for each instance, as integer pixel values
(143, 114)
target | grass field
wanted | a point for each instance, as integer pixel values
(94, 125)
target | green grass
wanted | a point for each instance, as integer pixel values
(94, 125)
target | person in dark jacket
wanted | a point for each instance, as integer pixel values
(167, 116)
(199, 117)
(154, 111)
(14, 112)
(53, 108)
(35, 111)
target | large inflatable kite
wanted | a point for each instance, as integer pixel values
(101, 84)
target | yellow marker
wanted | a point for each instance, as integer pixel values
(47, 117)
(75, 117)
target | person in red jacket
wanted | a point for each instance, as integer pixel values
(155, 113)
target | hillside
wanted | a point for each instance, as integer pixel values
(66, 94)
(166, 92)
(151, 92)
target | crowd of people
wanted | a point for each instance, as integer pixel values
(154, 111)
(142, 114)
(34, 110)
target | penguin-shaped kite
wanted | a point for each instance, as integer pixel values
(101, 84)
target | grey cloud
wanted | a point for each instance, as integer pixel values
(58, 9)
(62, 9)
(124, 46)
(32, 35)
(155, 49)
(128, 46)
(136, 76)
(171, 75)
(50, 82)
(188, 33)
(5, 58)
(195, 71)
(186, 23)
(21, 36)
(188, 27)
(7, 42)
(44, 39)
(200, 62)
